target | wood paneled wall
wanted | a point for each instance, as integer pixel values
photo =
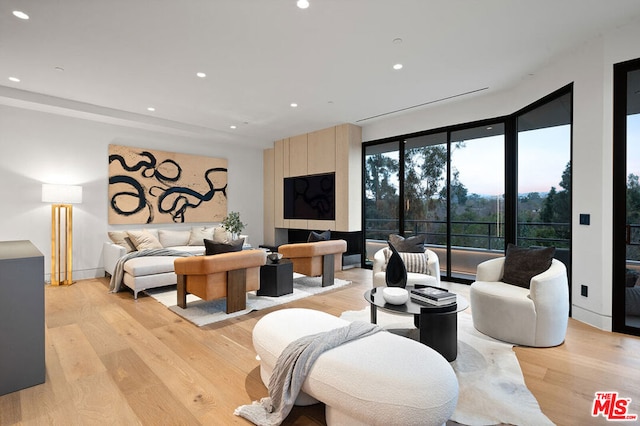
(335, 149)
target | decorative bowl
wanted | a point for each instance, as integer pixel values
(274, 257)
(395, 295)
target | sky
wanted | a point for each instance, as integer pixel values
(543, 155)
(633, 144)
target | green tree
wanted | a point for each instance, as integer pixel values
(381, 200)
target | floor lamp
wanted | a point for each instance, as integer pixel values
(63, 197)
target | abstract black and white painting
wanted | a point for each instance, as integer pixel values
(150, 186)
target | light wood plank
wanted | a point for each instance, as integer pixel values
(186, 384)
(321, 151)
(77, 357)
(298, 155)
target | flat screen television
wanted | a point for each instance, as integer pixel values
(310, 197)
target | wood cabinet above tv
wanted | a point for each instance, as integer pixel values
(335, 149)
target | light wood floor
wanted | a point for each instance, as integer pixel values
(113, 360)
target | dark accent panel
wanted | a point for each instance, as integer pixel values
(328, 269)
(353, 239)
(22, 327)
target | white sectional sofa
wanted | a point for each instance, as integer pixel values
(144, 272)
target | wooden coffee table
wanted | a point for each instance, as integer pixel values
(438, 325)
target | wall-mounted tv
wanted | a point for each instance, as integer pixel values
(310, 197)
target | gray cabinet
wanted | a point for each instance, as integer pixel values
(22, 361)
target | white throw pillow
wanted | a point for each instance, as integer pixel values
(144, 240)
(221, 235)
(414, 262)
(169, 238)
(198, 234)
(122, 239)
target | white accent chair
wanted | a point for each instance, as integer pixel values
(536, 316)
(433, 268)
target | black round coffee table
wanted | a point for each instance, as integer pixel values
(438, 325)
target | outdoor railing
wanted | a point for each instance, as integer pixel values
(473, 234)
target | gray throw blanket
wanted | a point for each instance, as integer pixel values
(292, 368)
(118, 271)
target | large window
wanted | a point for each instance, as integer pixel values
(626, 198)
(477, 197)
(471, 189)
(381, 191)
(544, 175)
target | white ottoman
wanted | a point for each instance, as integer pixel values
(383, 379)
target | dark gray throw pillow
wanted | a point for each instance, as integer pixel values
(522, 263)
(212, 247)
(408, 245)
(319, 236)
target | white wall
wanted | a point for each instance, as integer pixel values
(40, 147)
(590, 67)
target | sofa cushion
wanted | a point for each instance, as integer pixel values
(319, 236)
(122, 239)
(212, 247)
(171, 238)
(413, 244)
(148, 265)
(522, 263)
(195, 250)
(144, 240)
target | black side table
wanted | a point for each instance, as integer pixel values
(276, 279)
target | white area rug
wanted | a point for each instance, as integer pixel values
(492, 388)
(201, 312)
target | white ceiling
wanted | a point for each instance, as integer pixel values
(334, 59)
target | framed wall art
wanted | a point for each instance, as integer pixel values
(150, 186)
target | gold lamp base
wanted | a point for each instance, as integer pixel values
(61, 244)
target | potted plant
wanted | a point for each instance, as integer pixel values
(233, 224)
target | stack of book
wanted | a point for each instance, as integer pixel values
(433, 295)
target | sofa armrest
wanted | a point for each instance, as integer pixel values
(205, 265)
(433, 265)
(318, 248)
(379, 261)
(490, 270)
(551, 287)
(111, 253)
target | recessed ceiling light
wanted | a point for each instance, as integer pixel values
(14, 79)
(20, 14)
(397, 67)
(397, 40)
(151, 109)
(302, 4)
(201, 74)
(294, 105)
(232, 127)
(59, 69)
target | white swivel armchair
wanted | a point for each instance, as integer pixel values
(431, 278)
(536, 316)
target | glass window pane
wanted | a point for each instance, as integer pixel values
(544, 177)
(425, 191)
(382, 195)
(477, 197)
(632, 273)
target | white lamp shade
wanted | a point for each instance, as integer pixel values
(62, 194)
